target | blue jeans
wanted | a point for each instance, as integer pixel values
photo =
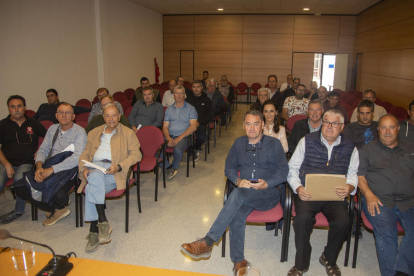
(241, 202)
(391, 259)
(18, 174)
(99, 184)
(178, 153)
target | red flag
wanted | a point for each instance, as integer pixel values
(157, 71)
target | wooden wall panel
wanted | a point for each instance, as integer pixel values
(178, 41)
(303, 67)
(250, 76)
(217, 59)
(267, 42)
(171, 58)
(268, 24)
(218, 42)
(315, 43)
(318, 25)
(281, 60)
(213, 24)
(347, 25)
(171, 72)
(233, 74)
(346, 44)
(178, 24)
(398, 64)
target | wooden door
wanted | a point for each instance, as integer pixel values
(187, 65)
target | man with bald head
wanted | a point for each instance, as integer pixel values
(321, 94)
(385, 175)
(115, 148)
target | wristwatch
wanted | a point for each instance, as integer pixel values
(119, 168)
(238, 182)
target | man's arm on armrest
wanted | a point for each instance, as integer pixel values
(189, 130)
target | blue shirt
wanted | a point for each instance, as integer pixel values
(179, 118)
(265, 160)
(104, 150)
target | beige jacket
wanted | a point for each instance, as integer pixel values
(124, 151)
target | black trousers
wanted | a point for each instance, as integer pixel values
(60, 199)
(337, 214)
(200, 136)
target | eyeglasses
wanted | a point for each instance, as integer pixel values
(301, 90)
(67, 113)
(333, 124)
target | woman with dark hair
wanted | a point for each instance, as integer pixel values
(272, 123)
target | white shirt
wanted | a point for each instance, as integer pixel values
(299, 155)
(168, 99)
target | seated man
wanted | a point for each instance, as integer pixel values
(226, 90)
(289, 92)
(379, 111)
(275, 95)
(305, 126)
(385, 174)
(146, 112)
(287, 84)
(19, 137)
(180, 81)
(97, 108)
(204, 110)
(138, 93)
(115, 148)
(180, 121)
(330, 147)
(254, 155)
(58, 139)
(47, 111)
(407, 126)
(168, 98)
(365, 130)
(263, 94)
(333, 103)
(219, 105)
(321, 95)
(204, 80)
(313, 93)
(295, 105)
(98, 120)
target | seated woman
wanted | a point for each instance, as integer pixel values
(272, 123)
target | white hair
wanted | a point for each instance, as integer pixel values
(334, 112)
(264, 89)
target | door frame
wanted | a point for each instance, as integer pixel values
(193, 60)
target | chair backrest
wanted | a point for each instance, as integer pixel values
(84, 103)
(82, 124)
(95, 100)
(386, 105)
(256, 86)
(162, 92)
(345, 96)
(129, 93)
(242, 87)
(30, 113)
(399, 112)
(292, 120)
(46, 124)
(127, 112)
(350, 112)
(126, 104)
(120, 97)
(348, 107)
(150, 139)
(82, 117)
(350, 100)
(355, 104)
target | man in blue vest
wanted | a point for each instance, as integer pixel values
(322, 152)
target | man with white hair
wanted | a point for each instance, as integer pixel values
(327, 146)
(263, 94)
(219, 105)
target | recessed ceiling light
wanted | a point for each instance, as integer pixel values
(305, 9)
(220, 9)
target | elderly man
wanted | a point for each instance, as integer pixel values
(288, 84)
(180, 81)
(168, 98)
(385, 175)
(98, 120)
(253, 156)
(263, 94)
(295, 105)
(313, 94)
(292, 90)
(97, 108)
(407, 126)
(305, 126)
(321, 95)
(180, 121)
(333, 103)
(56, 163)
(219, 105)
(365, 130)
(204, 80)
(114, 148)
(138, 93)
(275, 95)
(329, 147)
(146, 112)
(379, 111)
(19, 137)
(226, 90)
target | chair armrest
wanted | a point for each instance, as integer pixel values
(228, 188)
(288, 199)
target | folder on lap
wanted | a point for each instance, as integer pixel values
(322, 186)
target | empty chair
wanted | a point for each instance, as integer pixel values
(129, 93)
(386, 105)
(84, 103)
(120, 97)
(126, 104)
(242, 89)
(292, 120)
(46, 124)
(82, 117)
(128, 111)
(30, 113)
(350, 100)
(82, 124)
(255, 87)
(348, 107)
(399, 112)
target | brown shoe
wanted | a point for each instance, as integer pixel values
(56, 216)
(296, 272)
(238, 266)
(198, 249)
(47, 214)
(330, 270)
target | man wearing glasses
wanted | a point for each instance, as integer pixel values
(322, 152)
(58, 139)
(295, 105)
(263, 168)
(18, 143)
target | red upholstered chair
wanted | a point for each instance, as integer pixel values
(8, 184)
(84, 103)
(230, 83)
(242, 89)
(82, 124)
(350, 112)
(255, 87)
(95, 100)
(125, 105)
(351, 100)
(386, 105)
(118, 93)
(348, 107)
(355, 103)
(129, 93)
(341, 102)
(169, 150)
(46, 124)
(162, 92)
(399, 112)
(82, 117)
(120, 97)
(152, 144)
(29, 113)
(345, 96)
(129, 182)
(165, 83)
(378, 100)
(213, 125)
(127, 112)
(292, 120)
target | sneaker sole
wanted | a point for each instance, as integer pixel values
(47, 214)
(109, 239)
(175, 173)
(92, 250)
(54, 222)
(201, 256)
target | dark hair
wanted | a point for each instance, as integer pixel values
(52, 90)
(176, 79)
(369, 90)
(334, 94)
(302, 85)
(276, 123)
(411, 104)
(146, 88)
(271, 76)
(197, 81)
(316, 101)
(366, 103)
(253, 112)
(102, 89)
(296, 79)
(205, 72)
(143, 79)
(65, 104)
(16, 97)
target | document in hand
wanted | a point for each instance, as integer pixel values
(92, 165)
(322, 186)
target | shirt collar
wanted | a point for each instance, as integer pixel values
(184, 106)
(337, 141)
(112, 133)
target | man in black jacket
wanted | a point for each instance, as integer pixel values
(305, 126)
(291, 91)
(204, 109)
(219, 105)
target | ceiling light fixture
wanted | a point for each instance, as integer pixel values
(220, 9)
(305, 9)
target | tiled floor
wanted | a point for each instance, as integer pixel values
(185, 210)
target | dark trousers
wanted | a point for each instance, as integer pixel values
(337, 214)
(200, 137)
(60, 199)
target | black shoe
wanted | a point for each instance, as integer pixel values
(296, 272)
(354, 233)
(330, 270)
(9, 217)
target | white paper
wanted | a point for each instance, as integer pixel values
(92, 165)
(71, 148)
(139, 126)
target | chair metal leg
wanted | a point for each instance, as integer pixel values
(220, 127)
(223, 245)
(13, 193)
(357, 230)
(215, 126)
(127, 208)
(188, 162)
(36, 212)
(76, 207)
(80, 210)
(138, 179)
(348, 240)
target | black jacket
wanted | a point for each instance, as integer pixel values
(203, 106)
(299, 130)
(219, 105)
